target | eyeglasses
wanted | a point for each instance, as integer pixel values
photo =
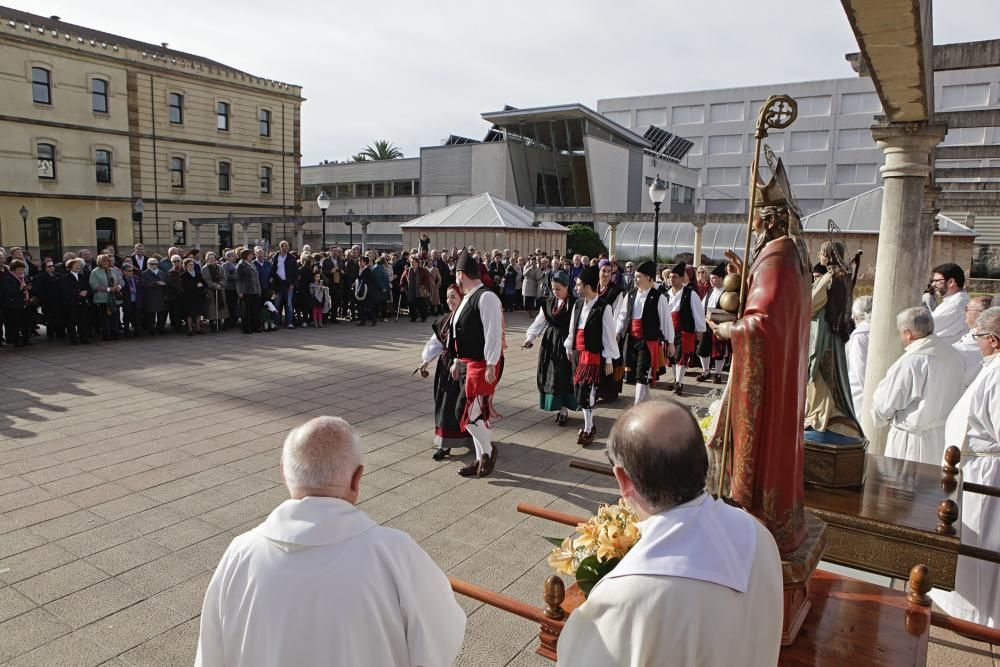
(969, 309)
(977, 336)
(938, 280)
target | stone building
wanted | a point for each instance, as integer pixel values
(94, 122)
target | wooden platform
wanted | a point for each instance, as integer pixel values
(892, 522)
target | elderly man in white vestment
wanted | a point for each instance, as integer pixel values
(974, 427)
(703, 586)
(857, 349)
(320, 583)
(967, 347)
(948, 280)
(918, 391)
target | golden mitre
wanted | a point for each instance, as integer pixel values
(777, 191)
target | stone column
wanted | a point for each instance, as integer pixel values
(928, 221)
(364, 236)
(903, 260)
(299, 228)
(245, 225)
(197, 234)
(613, 249)
(699, 227)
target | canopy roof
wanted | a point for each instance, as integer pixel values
(482, 211)
(511, 117)
(863, 215)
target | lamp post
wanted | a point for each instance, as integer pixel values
(24, 221)
(137, 210)
(657, 193)
(349, 219)
(323, 201)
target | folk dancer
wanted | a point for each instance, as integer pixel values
(448, 432)
(688, 318)
(646, 323)
(974, 427)
(593, 345)
(477, 350)
(614, 296)
(555, 369)
(712, 350)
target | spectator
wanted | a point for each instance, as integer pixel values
(193, 291)
(138, 257)
(303, 289)
(417, 283)
(380, 274)
(15, 290)
(435, 295)
(75, 290)
(46, 289)
(425, 243)
(132, 297)
(232, 302)
(320, 298)
(509, 287)
(263, 267)
(17, 253)
(529, 286)
(214, 278)
(248, 288)
(175, 293)
(154, 302)
(857, 350)
(284, 271)
(106, 287)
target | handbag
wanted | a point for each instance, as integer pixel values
(360, 290)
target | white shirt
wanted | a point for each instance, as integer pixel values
(662, 309)
(320, 583)
(707, 591)
(432, 349)
(857, 361)
(972, 356)
(696, 308)
(712, 299)
(539, 323)
(281, 266)
(491, 313)
(949, 317)
(915, 397)
(608, 340)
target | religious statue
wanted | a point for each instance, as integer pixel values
(761, 420)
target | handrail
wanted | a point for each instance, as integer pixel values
(967, 629)
(551, 515)
(981, 489)
(505, 602)
(592, 466)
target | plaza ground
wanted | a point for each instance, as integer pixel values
(126, 469)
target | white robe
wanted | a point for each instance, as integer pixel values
(705, 591)
(915, 397)
(974, 426)
(972, 357)
(857, 360)
(320, 583)
(949, 317)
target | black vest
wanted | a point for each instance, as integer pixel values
(650, 313)
(470, 338)
(593, 332)
(612, 294)
(687, 319)
(560, 321)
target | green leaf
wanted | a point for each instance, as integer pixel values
(592, 570)
(553, 540)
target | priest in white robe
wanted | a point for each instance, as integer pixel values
(702, 586)
(857, 349)
(974, 427)
(919, 390)
(320, 583)
(949, 315)
(967, 347)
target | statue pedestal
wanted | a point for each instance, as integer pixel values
(797, 569)
(837, 466)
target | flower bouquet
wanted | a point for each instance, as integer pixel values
(603, 541)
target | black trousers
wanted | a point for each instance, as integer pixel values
(131, 317)
(231, 305)
(419, 306)
(19, 323)
(637, 361)
(156, 320)
(107, 315)
(251, 313)
(78, 325)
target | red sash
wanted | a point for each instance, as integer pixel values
(688, 338)
(476, 386)
(654, 347)
(588, 364)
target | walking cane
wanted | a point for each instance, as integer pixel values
(399, 304)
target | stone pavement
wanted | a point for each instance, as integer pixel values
(126, 469)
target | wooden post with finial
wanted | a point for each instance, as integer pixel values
(952, 457)
(947, 516)
(553, 595)
(919, 585)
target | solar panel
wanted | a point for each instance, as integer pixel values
(666, 144)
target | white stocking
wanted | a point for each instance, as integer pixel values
(563, 411)
(679, 373)
(588, 420)
(478, 430)
(705, 361)
(719, 363)
(641, 392)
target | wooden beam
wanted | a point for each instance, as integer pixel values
(971, 118)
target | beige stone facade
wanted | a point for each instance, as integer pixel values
(91, 122)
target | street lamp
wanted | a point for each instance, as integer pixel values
(349, 219)
(137, 210)
(657, 193)
(24, 221)
(323, 201)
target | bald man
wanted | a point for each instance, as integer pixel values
(703, 585)
(319, 583)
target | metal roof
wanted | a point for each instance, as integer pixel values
(863, 215)
(482, 211)
(564, 112)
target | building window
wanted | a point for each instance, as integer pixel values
(222, 116)
(343, 190)
(176, 105)
(99, 95)
(726, 111)
(856, 173)
(775, 141)
(107, 232)
(960, 96)
(402, 189)
(177, 172)
(724, 175)
(696, 145)
(814, 106)
(362, 189)
(813, 140)
(265, 122)
(224, 171)
(807, 174)
(623, 118)
(46, 161)
(646, 117)
(381, 189)
(965, 136)
(860, 103)
(180, 233)
(265, 180)
(103, 162)
(41, 85)
(694, 113)
(681, 194)
(851, 139)
(725, 143)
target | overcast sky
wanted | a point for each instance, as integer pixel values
(414, 72)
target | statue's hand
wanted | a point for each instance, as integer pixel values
(735, 260)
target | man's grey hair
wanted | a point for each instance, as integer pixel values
(918, 320)
(989, 321)
(322, 453)
(861, 310)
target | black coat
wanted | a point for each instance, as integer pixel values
(70, 288)
(154, 295)
(46, 288)
(194, 294)
(291, 270)
(126, 293)
(11, 294)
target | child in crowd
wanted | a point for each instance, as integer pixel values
(320, 298)
(269, 315)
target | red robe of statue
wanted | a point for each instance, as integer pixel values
(768, 384)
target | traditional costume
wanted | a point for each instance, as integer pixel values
(477, 342)
(320, 583)
(591, 342)
(555, 369)
(611, 385)
(714, 562)
(915, 397)
(646, 322)
(688, 318)
(712, 350)
(448, 432)
(974, 427)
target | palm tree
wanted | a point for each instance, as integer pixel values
(380, 150)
